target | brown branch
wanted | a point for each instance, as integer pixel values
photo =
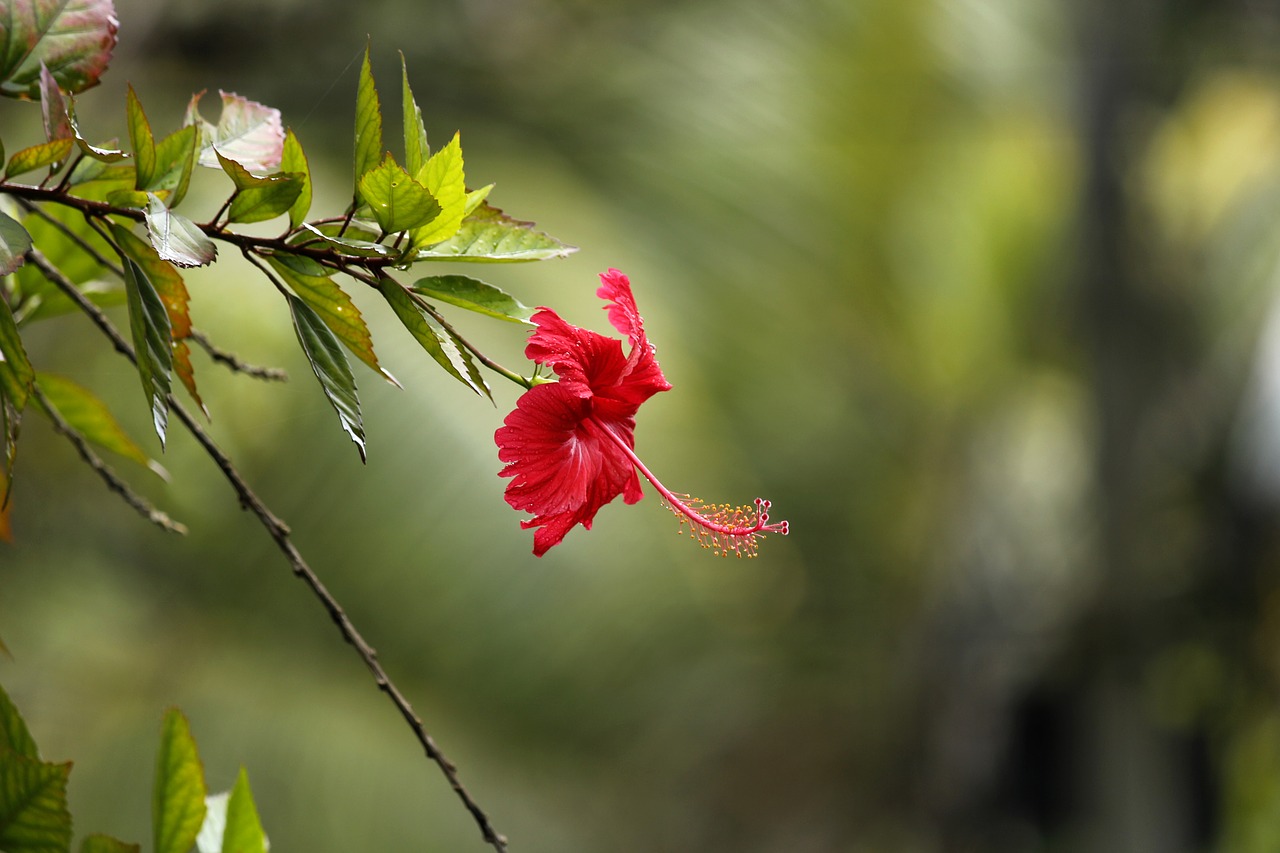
(231, 360)
(280, 533)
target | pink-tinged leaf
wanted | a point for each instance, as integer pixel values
(176, 238)
(53, 108)
(247, 132)
(73, 38)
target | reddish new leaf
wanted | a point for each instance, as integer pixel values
(73, 38)
(247, 132)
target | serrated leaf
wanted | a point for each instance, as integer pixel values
(490, 236)
(38, 156)
(14, 243)
(173, 293)
(311, 282)
(397, 201)
(330, 367)
(248, 132)
(443, 177)
(416, 149)
(114, 175)
(175, 161)
(74, 38)
(89, 416)
(474, 295)
(14, 736)
(106, 155)
(438, 341)
(177, 800)
(368, 140)
(475, 197)
(294, 160)
(350, 245)
(258, 199)
(176, 238)
(53, 109)
(243, 832)
(141, 139)
(99, 843)
(152, 342)
(33, 806)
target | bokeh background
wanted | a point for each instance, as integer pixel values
(981, 293)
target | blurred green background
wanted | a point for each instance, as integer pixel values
(981, 293)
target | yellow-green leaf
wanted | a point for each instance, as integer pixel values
(368, 142)
(294, 160)
(177, 801)
(313, 285)
(89, 416)
(397, 201)
(443, 177)
(144, 143)
(38, 156)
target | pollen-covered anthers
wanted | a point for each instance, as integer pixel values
(724, 528)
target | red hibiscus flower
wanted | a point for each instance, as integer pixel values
(569, 444)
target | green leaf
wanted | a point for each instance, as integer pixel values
(475, 197)
(440, 343)
(14, 243)
(259, 198)
(63, 252)
(106, 155)
(490, 236)
(14, 737)
(16, 373)
(142, 140)
(99, 843)
(243, 833)
(348, 245)
(416, 150)
(311, 282)
(330, 367)
(175, 161)
(53, 109)
(444, 179)
(294, 160)
(398, 202)
(152, 342)
(173, 293)
(38, 156)
(33, 805)
(368, 143)
(89, 416)
(176, 238)
(248, 132)
(16, 378)
(74, 38)
(474, 295)
(136, 199)
(177, 800)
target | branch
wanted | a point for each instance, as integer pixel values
(280, 533)
(231, 360)
(94, 461)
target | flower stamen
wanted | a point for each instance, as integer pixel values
(723, 528)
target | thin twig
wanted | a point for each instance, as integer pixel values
(113, 481)
(231, 360)
(280, 533)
